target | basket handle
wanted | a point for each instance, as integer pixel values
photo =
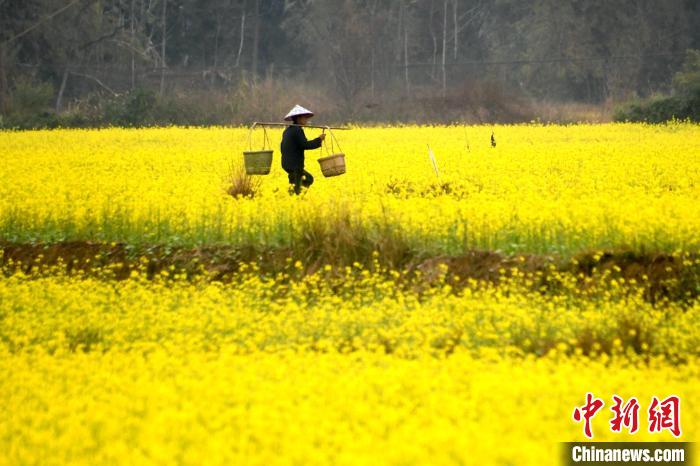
(266, 139)
(334, 142)
(324, 145)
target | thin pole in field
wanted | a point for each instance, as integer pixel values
(432, 159)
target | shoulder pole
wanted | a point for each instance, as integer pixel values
(259, 123)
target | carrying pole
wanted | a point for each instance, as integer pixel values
(259, 123)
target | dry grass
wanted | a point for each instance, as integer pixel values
(339, 239)
(238, 184)
(473, 101)
(573, 112)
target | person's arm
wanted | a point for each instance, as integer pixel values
(304, 143)
(313, 144)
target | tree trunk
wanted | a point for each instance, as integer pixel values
(371, 41)
(444, 51)
(3, 81)
(99, 48)
(454, 21)
(405, 61)
(216, 43)
(62, 89)
(256, 39)
(434, 39)
(399, 28)
(240, 44)
(133, 44)
(371, 72)
(162, 48)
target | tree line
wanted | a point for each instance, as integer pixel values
(356, 51)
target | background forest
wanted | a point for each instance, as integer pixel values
(142, 62)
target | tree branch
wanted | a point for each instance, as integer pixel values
(102, 38)
(40, 22)
(93, 78)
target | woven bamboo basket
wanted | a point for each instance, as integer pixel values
(333, 165)
(257, 162)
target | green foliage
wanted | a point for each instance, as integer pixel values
(139, 108)
(687, 81)
(132, 109)
(655, 110)
(30, 105)
(143, 107)
(29, 97)
(683, 104)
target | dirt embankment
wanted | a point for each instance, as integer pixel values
(663, 276)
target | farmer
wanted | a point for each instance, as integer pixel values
(294, 143)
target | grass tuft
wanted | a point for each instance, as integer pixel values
(238, 184)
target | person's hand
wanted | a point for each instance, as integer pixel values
(322, 137)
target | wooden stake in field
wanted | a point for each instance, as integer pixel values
(432, 159)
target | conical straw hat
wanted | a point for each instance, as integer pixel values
(296, 111)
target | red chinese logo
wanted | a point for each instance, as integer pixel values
(663, 415)
(589, 410)
(627, 415)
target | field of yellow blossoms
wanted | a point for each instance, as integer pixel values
(334, 327)
(541, 189)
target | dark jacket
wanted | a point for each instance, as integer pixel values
(293, 145)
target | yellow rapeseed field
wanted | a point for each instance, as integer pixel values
(542, 189)
(180, 372)
(344, 363)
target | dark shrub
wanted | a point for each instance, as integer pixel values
(683, 104)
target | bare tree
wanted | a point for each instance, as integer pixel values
(444, 50)
(455, 28)
(256, 38)
(405, 61)
(3, 79)
(132, 24)
(240, 43)
(163, 62)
